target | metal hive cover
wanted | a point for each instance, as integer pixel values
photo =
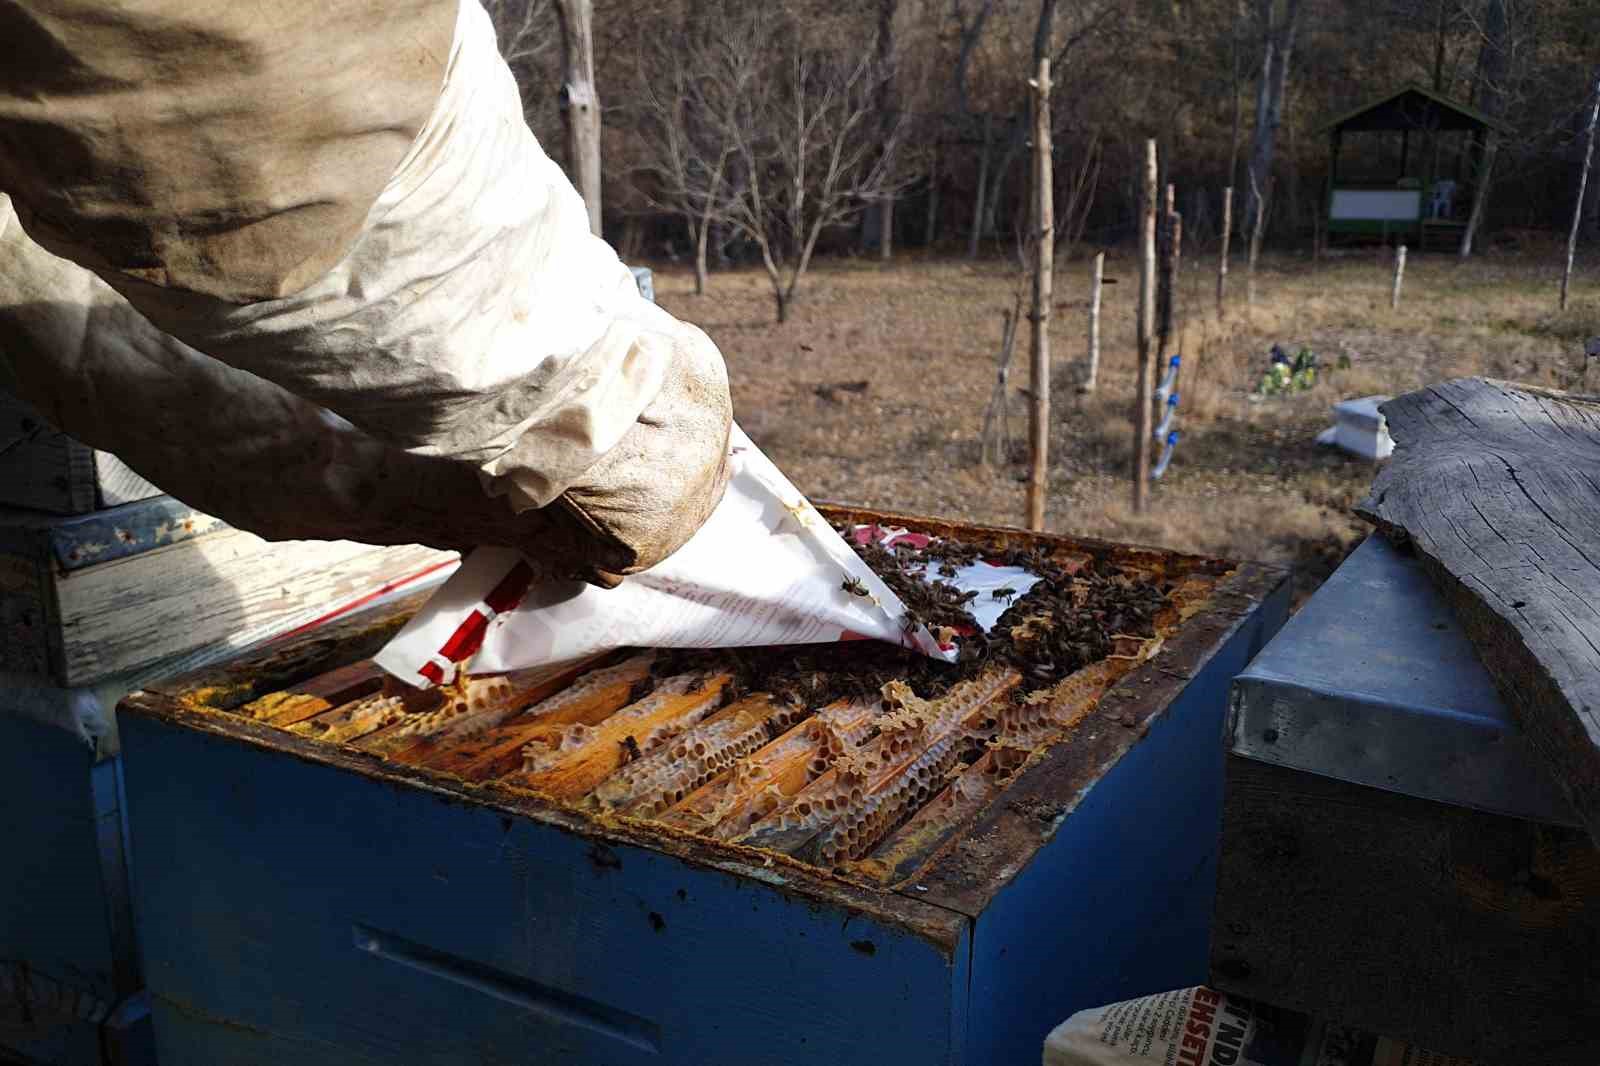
(1374, 683)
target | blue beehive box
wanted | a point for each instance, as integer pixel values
(69, 982)
(91, 607)
(308, 902)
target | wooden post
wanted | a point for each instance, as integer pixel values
(1096, 280)
(1043, 271)
(580, 104)
(1399, 276)
(1167, 292)
(1222, 260)
(886, 229)
(1583, 182)
(1173, 267)
(983, 184)
(931, 230)
(1144, 387)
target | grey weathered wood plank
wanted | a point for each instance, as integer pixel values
(1498, 488)
(228, 586)
(116, 482)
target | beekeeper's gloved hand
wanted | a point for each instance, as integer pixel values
(341, 202)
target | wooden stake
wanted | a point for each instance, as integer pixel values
(886, 231)
(580, 104)
(1043, 272)
(1144, 387)
(931, 230)
(1167, 295)
(1096, 279)
(1583, 181)
(1222, 260)
(1399, 275)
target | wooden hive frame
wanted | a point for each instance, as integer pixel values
(932, 889)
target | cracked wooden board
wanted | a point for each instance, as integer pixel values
(1497, 486)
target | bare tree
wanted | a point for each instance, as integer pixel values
(884, 53)
(1490, 91)
(681, 80)
(798, 115)
(1077, 199)
(1277, 34)
(1583, 181)
(527, 34)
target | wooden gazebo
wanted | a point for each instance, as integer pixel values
(1405, 191)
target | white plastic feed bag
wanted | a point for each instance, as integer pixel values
(765, 569)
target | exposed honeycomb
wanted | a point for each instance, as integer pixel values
(874, 786)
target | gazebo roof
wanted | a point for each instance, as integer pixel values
(1413, 107)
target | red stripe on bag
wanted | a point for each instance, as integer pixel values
(468, 636)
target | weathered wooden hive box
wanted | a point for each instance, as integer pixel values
(1394, 855)
(320, 879)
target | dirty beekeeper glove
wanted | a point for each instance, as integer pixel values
(344, 279)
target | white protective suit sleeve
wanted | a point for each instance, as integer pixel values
(232, 444)
(471, 322)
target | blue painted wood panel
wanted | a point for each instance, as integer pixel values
(1119, 903)
(58, 962)
(295, 912)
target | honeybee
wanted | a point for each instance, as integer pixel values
(630, 748)
(854, 587)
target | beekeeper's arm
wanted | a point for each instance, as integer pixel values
(340, 199)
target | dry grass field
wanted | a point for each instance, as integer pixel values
(1247, 481)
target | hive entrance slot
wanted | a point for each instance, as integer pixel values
(550, 1003)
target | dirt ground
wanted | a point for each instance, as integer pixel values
(1247, 480)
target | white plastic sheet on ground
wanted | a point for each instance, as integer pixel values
(765, 569)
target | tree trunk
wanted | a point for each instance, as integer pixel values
(1015, 142)
(1265, 198)
(701, 239)
(1252, 205)
(1399, 277)
(1043, 276)
(1489, 92)
(780, 297)
(1439, 26)
(580, 104)
(1222, 259)
(1278, 48)
(1480, 195)
(884, 52)
(1143, 387)
(1583, 183)
(1233, 88)
(983, 179)
(1096, 281)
